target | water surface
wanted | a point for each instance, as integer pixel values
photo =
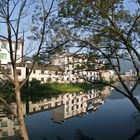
(95, 115)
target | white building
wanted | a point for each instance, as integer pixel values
(4, 51)
(66, 68)
(45, 73)
(79, 66)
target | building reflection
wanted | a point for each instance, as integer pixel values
(68, 105)
(79, 105)
(8, 124)
(61, 107)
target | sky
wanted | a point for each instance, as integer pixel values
(129, 5)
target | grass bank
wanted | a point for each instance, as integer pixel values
(37, 91)
(57, 88)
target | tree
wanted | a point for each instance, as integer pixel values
(13, 16)
(109, 28)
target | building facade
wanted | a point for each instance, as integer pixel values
(65, 68)
(75, 67)
(4, 51)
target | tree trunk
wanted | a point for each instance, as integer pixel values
(135, 103)
(23, 130)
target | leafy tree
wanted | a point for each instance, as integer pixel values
(109, 28)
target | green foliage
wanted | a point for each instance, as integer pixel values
(103, 23)
(7, 91)
(37, 90)
(34, 83)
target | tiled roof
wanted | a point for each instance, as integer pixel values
(44, 67)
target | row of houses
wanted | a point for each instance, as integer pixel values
(63, 68)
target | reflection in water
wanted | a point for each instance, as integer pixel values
(8, 124)
(73, 105)
(81, 136)
(68, 105)
(136, 134)
(62, 107)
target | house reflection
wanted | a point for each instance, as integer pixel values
(79, 104)
(8, 124)
(68, 105)
(62, 107)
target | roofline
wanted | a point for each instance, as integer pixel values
(19, 41)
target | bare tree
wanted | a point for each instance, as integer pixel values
(13, 16)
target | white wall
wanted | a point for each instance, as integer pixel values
(6, 51)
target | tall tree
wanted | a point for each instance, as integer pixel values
(13, 16)
(109, 28)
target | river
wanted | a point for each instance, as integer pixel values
(94, 115)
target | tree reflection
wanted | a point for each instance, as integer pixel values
(59, 138)
(81, 136)
(44, 138)
(136, 135)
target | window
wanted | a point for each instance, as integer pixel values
(17, 132)
(4, 133)
(3, 68)
(33, 71)
(3, 45)
(18, 56)
(42, 79)
(67, 109)
(3, 56)
(15, 123)
(4, 124)
(72, 101)
(77, 106)
(72, 108)
(42, 71)
(18, 47)
(72, 79)
(72, 71)
(56, 79)
(19, 72)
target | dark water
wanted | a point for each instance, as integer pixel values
(115, 119)
(102, 116)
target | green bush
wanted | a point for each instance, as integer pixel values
(7, 91)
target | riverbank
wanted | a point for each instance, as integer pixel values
(36, 90)
(54, 88)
